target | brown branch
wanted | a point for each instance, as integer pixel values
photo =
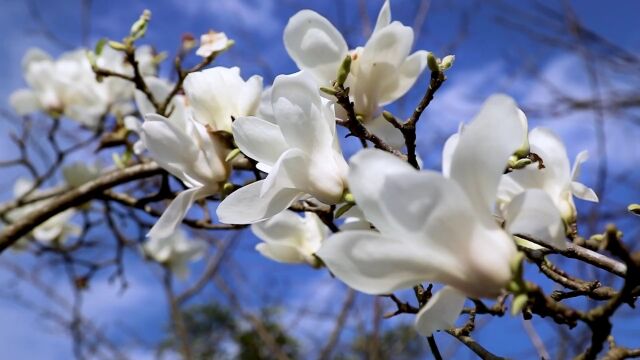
(73, 198)
(409, 128)
(474, 346)
(574, 251)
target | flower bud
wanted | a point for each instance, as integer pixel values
(344, 70)
(117, 46)
(100, 46)
(432, 62)
(519, 303)
(447, 62)
(139, 28)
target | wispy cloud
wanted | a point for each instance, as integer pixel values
(254, 15)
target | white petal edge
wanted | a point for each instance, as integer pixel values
(259, 139)
(367, 172)
(582, 191)
(441, 312)
(24, 102)
(176, 211)
(533, 213)
(245, 206)
(484, 149)
(315, 45)
(372, 263)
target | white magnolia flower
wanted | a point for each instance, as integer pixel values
(300, 152)
(289, 238)
(190, 152)
(433, 228)
(212, 42)
(557, 178)
(54, 230)
(381, 72)
(65, 86)
(219, 94)
(175, 251)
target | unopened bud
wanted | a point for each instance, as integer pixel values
(188, 41)
(117, 46)
(432, 62)
(92, 58)
(139, 28)
(100, 46)
(447, 62)
(232, 154)
(328, 91)
(516, 265)
(521, 163)
(389, 117)
(344, 70)
(518, 303)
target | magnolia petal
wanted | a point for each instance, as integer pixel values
(305, 121)
(550, 148)
(484, 149)
(176, 211)
(517, 181)
(581, 191)
(372, 263)
(284, 253)
(132, 123)
(246, 206)
(407, 74)
(24, 102)
(289, 172)
(384, 17)
(265, 108)
(447, 153)
(315, 45)
(390, 45)
(281, 228)
(259, 139)
(533, 213)
(577, 164)
(34, 55)
(162, 138)
(249, 102)
(158, 248)
(440, 312)
(49, 232)
(367, 173)
(218, 94)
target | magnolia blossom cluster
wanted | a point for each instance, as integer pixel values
(67, 86)
(457, 227)
(382, 70)
(410, 226)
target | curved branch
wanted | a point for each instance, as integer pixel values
(75, 197)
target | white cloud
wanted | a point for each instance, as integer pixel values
(254, 15)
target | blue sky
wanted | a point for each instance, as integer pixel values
(489, 58)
